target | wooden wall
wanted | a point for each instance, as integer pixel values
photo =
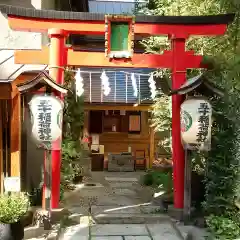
(117, 142)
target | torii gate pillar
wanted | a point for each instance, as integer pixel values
(57, 61)
(178, 154)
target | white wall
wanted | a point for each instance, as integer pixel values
(22, 40)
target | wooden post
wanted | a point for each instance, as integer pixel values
(187, 187)
(152, 147)
(1, 152)
(15, 133)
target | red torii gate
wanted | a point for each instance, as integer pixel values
(60, 24)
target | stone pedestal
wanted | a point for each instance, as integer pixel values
(176, 213)
(120, 163)
(86, 166)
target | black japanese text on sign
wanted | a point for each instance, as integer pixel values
(203, 122)
(44, 120)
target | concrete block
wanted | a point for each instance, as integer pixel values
(75, 233)
(107, 238)
(114, 209)
(121, 179)
(162, 231)
(151, 209)
(176, 213)
(137, 238)
(34, 232)
(118, 229)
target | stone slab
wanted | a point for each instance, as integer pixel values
(78, 210)
(122, 184)
(124, 191)
(121, 179)
(198, 233)
(85, 186)
(162, 231)
(34, 232)
(107, 238)
(151, 209)
(114, 209)
(116, 201)
(134, 218)
(118, 229)
(137, 238)
(76, 232)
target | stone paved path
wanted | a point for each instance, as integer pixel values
(118, 209)
(121, 232)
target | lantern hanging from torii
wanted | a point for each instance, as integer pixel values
(196, 112)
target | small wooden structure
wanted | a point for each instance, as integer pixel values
(19, 156)
(198, 85)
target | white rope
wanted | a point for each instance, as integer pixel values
(100, 72)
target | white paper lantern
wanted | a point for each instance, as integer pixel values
(46, 113)
(196, 120)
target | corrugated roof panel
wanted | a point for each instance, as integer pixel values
(96, 87)
(120, 84)
(86, 86)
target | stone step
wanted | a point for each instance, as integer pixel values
(129, 218)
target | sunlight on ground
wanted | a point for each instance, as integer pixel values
(126, 207)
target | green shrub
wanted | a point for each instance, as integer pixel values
(13, 207)
(159, 179)
(147, 179)
(223, 228)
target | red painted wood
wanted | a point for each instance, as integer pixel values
(85, 59)
(57, 60)
(178, 78)
(98, 27)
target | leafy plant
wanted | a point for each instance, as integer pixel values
(71, 154)
(13, 207)
(73, 120)
(161, 180)
(35, 196)
(223, 228)
(161, 121)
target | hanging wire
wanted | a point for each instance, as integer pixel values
(106, 71)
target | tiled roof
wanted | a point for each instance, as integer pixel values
(9, 70)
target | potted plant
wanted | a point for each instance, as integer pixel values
(12, 208)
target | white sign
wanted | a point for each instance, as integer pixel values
(95, 139)
(46, 118)
(12, 184)
(196, 121)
